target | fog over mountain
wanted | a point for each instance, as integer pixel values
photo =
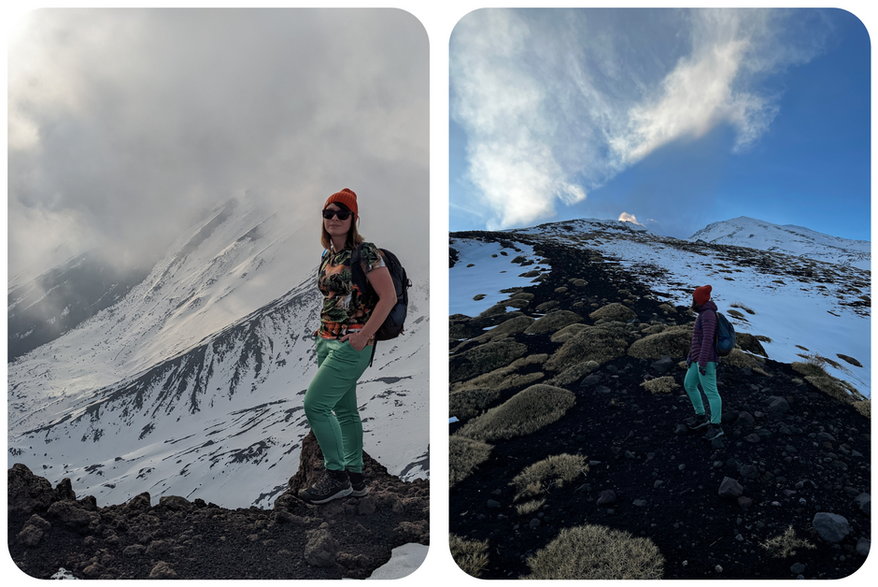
(128, 125)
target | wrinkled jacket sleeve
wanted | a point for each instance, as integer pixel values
(708, 329)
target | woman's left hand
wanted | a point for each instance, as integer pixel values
(356, 340)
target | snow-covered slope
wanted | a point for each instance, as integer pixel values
(808, 308)
(191, 384)
(43, 308)
(790, 239)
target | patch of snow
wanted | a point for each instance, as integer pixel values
(481, 269)
(404, 560)
(62, 573)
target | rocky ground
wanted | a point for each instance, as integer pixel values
(50, 529)
(784, 494)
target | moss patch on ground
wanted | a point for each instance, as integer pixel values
(484, 358)
(600, 343)
(527, 411)
(673, 341)
(470, 555)
(613, 312)
(553, 321)
(552, 472)
(464, 455)
(597, 552)
(666, 384)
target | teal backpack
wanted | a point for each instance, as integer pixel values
(724, 338)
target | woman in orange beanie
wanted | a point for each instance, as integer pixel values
(701, 364)
(349, 319)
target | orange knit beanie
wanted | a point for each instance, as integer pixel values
(347, 197)
(701, 294)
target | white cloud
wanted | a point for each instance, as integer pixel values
(127, 123)
(554, 103)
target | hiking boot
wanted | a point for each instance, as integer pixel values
(714, 431)
(331, 485)
(358, 484)
(697, 422)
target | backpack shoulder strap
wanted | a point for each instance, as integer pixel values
(357, 274)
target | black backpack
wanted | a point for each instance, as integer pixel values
(393, 325)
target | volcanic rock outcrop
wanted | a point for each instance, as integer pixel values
(51, 529)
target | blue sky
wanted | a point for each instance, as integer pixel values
(677, 118)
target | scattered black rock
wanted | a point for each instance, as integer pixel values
(176, 538)
(730, 488)
(831, 527)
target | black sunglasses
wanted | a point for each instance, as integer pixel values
(341, 214)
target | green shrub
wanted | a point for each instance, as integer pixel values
(826, 383)
(836, 388)
(600, 343)
(568, 332)
(659, 385)
(574, 373)
(506, 328)
(484, 358)
(597, 552)
(674, 341)
(471, 401)
(613, 312)
(505, 377)
(518, 303)
(738, 358)
(864, 407)
(526, 412)
(464, 455)
(553, 321)
(808, 369)
(748, 342)
(529, 507)
(552, 472)
(470, 555)
(786, 544)
(547, 306)
(652, 329)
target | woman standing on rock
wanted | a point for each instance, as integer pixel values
(348, 320)
(701, 364)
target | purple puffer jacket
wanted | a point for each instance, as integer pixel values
(702, 349)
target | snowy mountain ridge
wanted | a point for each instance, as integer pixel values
(793, 240)
(191, 383)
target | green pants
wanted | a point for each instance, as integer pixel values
(708, 383)
(331, 404)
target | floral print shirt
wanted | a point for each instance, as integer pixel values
(345, 307)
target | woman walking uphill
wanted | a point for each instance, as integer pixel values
(701, 363)
(348, 320)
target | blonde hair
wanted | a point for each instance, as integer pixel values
(353, 238)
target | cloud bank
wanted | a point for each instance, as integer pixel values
(554, 103)
(127, 124)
